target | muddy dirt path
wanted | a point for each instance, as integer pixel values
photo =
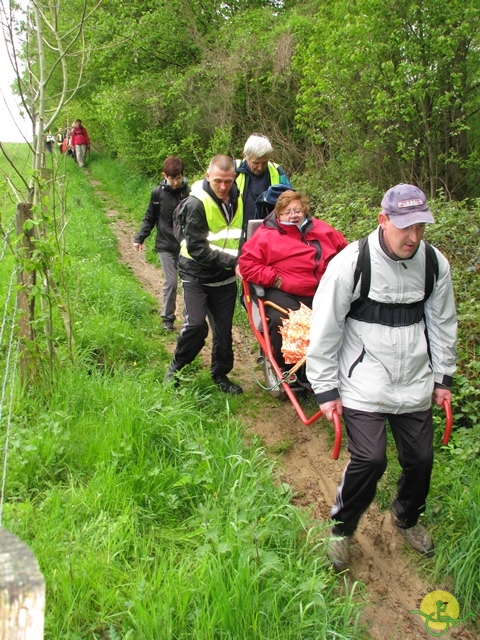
(380, 560)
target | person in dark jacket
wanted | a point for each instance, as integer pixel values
(213, 217)
(288, 255)
(255, 174)
(159, 214)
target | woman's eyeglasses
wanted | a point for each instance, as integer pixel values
(297, 212)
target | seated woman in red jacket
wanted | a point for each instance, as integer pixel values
(288, 255)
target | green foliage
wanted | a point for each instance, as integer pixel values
(37, 253)
(394, 88)
(123, 500)
(367, 91)
(456, 486)
(456, 234)
(455, 503)
(174, 87)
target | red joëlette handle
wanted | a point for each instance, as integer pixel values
(448, 422)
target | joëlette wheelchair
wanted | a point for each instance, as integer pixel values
(279, 383)
(287, 384)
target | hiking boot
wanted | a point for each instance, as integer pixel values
(227, 386)
(168, 325)
(417, 536)
(171, 374)
(338, 552)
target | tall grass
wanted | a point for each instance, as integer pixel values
(456, 509)
(148, 514)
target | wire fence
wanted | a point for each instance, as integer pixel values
(9, 345)
(22, 586)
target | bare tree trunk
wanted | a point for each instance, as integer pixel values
(25, 302)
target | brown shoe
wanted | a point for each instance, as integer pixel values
(417, 537)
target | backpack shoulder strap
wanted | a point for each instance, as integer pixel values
(431, 270)
(363, 268)
(156, 199)
(178, 219)
(156, 192)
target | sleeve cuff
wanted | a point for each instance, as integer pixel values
(327, 396)
(445, 383)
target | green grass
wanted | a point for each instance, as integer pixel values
(148, 514)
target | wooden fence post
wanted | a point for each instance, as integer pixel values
(22, 591)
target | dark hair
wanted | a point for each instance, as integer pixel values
(173, 167)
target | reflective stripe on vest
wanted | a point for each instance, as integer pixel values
(221, 236)
(272, 170)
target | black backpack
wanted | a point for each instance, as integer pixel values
(178, 219)
(369, 310)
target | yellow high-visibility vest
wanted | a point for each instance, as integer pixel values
(222, 236)
(272, 170)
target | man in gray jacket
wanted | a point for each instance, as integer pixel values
(379, 352)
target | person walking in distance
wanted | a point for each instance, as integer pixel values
(80, 142)
(212, 224)
(159, 215)
(382, 344)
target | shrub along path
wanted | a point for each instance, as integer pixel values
(390, 571)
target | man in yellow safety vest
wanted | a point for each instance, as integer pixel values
(212, 225)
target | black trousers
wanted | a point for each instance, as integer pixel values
(289, 302)
(218, 304)
(367, 443)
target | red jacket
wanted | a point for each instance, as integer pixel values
(79, 136)
(299, 257)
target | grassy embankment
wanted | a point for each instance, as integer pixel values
(148, 514)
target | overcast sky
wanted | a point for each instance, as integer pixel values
(10, 123)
